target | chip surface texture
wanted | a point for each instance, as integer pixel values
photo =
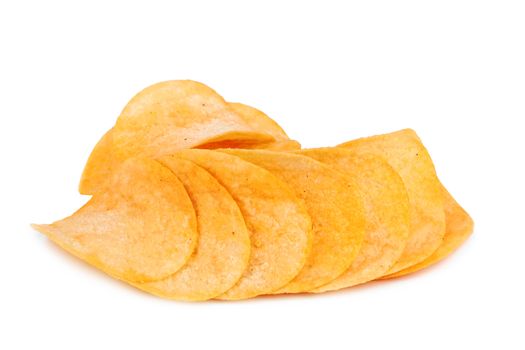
(278, 221)
(223, 248)
(142, 229)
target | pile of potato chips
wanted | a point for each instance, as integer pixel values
(195, 198)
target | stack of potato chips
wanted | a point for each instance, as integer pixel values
(195, 198)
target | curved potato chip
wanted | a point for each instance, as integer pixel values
(101, 164)
(334, 205)
(404, 151)
(178, 114)
(259, 121)
(386, 214)
(143, 229)
(459, 227)
(223, 249)
(103, 159)
(194, 116)
(278, 222)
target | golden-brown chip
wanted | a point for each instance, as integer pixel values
(100, 165)
(142, 229)
(334, 205)
(459, 228)
(262, 123)
(404, 151)
(386, 213)
(103, 160)
(259, 121)
(223, 249)
(178, 114)
(279, 225)
(166, 117)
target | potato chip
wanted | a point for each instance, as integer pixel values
(459, 227)
(193, 116)
(259, 121)
(178, 114)
(386, 214)
(100, 165)
(334, 205)
(142, 229)
(278, 222)
(103, 160)
(404, 151)
(223, 249)
(270, 217)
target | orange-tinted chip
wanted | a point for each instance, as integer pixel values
(459, 228)
(406, 154)
(178, 114)
(223, 249)
(334, 205)
(100, 165)
(103, 160)
(262, 123)
(165, 117)
(142, 229)
(386, 213)
(259, 121)
(278, 222)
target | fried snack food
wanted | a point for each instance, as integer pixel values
(279, 224)
(334, 205)
(223, 248)
(405, 153)
(195, 198)
(163, 118)
(142, 229)
(386, 213)
(101, 164)
(178, 114)
(259, 121)
(459, 227)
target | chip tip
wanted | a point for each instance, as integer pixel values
(408, 131)
(38, 227)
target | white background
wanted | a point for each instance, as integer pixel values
(327, 72)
